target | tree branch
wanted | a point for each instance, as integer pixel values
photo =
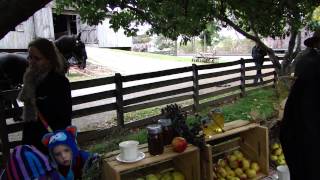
(270, 52)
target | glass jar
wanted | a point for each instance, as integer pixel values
(155, 139)
(167, 130)
(217, 118)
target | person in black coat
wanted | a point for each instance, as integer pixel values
(258, 57)
(46, 92)
(300, 127)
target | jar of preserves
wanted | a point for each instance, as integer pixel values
(167, 130)
(217, 117)
(155, 139)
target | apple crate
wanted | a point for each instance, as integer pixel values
(186, 162)
(251, 139)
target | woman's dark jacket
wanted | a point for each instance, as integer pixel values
(53, 99)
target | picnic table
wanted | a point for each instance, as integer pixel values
(205, 57)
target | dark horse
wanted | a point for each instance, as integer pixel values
(13, 65)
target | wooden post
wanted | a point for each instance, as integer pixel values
(243, 80)
(275, 78)
(4, 135)
(195, 80)
(119, 99)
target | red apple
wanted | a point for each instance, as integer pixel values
(179, 144)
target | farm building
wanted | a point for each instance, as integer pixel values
(46, 23)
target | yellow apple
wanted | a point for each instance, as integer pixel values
(275, 146)
(255, 166)
(251, 173)
(243, 176)
(245, 164)
(238, 172)
(234, 164)
(230, 173)
(281, 156)
(231, 158)
(222, 172)
(277, 152)
(176, 175)
(222, 163)
(273, 157)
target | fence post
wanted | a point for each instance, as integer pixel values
(119, 99)
(195, 80)
(4, 135)
(242, 77)
(275, 78)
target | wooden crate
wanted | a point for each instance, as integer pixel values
(186, 162)
(251, 138)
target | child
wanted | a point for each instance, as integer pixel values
(28, 163)
(70, 162)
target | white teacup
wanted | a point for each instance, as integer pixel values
(129, 150)
(283, 172)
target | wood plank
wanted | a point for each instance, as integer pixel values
(260, 83)
(251, 68)
(91, 83)
(217, 83)
(255, 143)
(93, 110)
(13, 144)
(219, 92)
(145, 87)
(9, 94)
(220, 73)
(87, 136)
(232, 131)
(195, 82)
(219, 65)
(157, 96)
(150, 160)
(9, 113)
(156, 103)
(262, 75)
(93, 97)
(148, 75)
(13, 50)
(206, 163)
(16, 127)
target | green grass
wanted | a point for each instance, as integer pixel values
(259, 103)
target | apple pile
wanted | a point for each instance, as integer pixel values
(277, 155)
(235, 167)
(168, 175)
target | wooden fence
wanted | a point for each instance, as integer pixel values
(195, 83)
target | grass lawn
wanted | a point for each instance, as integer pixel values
(258, 104)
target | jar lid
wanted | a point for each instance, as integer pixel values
(165, 122)
(154, 129)
(216, 110)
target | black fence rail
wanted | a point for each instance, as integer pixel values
(195, 83)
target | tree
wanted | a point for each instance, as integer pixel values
(254, 19)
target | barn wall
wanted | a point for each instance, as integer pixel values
(38, 25)
(108, 38)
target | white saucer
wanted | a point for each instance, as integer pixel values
(141, 155)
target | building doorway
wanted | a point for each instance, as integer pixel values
(64, 25)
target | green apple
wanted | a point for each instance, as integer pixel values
(140, 178)
(230, 173)
(238, 154)
(281, 156)
(243, 176)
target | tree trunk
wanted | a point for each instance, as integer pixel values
(289, 55)
(13, 12)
